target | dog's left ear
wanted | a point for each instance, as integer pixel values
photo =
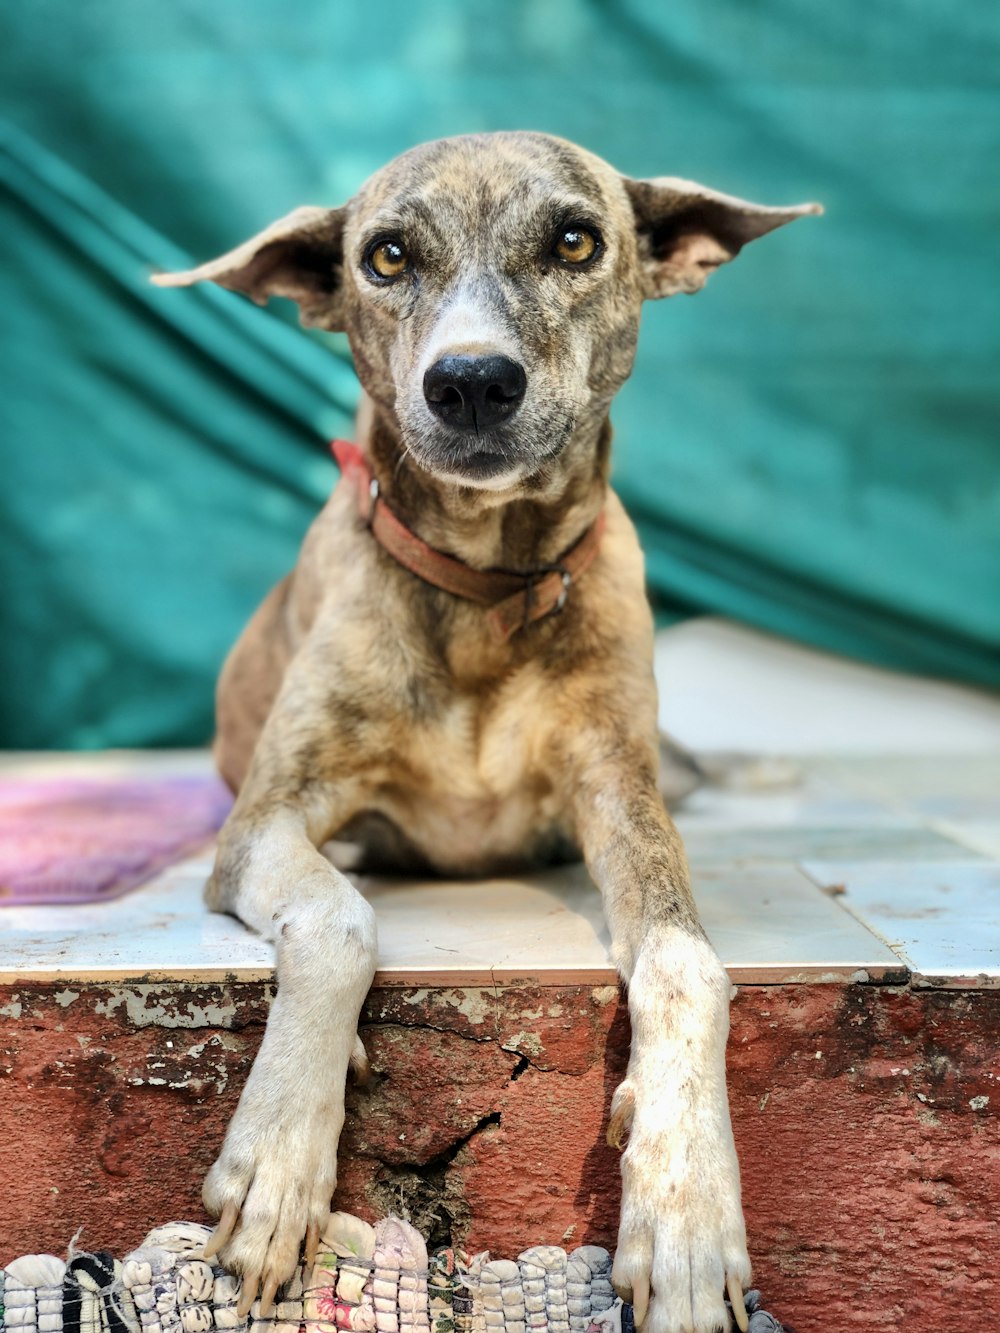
(686, 230)
(300, 257)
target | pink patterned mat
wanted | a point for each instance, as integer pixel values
(88, 839)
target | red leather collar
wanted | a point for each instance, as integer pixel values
(515, 600)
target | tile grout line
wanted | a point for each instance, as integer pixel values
(839, 900)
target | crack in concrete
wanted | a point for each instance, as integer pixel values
(428, 1194)
(425, 1026)
(543, 1067)
(523, 1064)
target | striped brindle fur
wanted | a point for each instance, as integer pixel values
(491, 287)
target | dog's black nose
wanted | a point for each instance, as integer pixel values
(474, 393)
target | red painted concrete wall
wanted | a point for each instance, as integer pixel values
(866, 1118)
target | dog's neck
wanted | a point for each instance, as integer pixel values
(519, 530)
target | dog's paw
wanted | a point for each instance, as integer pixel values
(270, 1188)
(682, 1240)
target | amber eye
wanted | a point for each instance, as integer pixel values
(576, 245)
(387, 259)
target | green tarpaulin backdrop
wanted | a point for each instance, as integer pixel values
(809, 445)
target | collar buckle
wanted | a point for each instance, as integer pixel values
(532, 579)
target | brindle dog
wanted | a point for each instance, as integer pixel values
(491, 287)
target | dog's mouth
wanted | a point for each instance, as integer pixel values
(490, 461)
(484, 469)
(490, 469)
(480, 465)
(495, 460)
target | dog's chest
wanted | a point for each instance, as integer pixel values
(472, 786)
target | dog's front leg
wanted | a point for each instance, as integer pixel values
(277, 1170)
(682, 1240)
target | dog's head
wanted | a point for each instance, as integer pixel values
(490, 286)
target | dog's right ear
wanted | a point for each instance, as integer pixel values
(300, 257)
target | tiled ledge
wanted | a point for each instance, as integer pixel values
(770, 925)
(863, 870)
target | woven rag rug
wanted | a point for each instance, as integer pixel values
(378, 1279)
(89, 839)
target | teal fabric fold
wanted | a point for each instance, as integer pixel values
(163, 458)
(810, 445)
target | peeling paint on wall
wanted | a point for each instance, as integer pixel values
(486, 1115)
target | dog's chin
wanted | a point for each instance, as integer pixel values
(483, 469)
(487, 463)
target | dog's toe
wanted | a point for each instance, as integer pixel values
(682, 1242)
(268, 1200)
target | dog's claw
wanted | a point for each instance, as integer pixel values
(312, 1243)
(224, 1229)
(360, 1067)
(734, 1290)
(267, 1296)
(640, 1300)
(248, 1294)
(622, 1112)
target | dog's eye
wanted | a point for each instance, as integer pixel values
(387, 259)
(576, 245)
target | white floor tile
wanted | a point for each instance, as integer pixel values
(943, 920)
(769, 925)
